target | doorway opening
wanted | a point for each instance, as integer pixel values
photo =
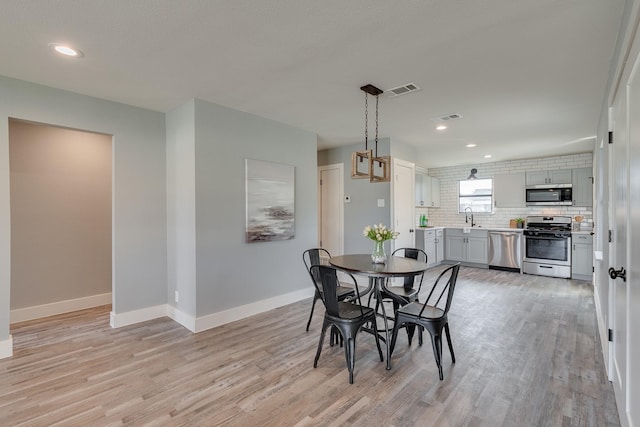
(61, 219)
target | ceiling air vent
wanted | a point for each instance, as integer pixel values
(402, 90)
(447, 117)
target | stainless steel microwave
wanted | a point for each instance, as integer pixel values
(549, 195)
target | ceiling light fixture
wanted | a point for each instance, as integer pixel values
(473, 173)
(441, 127)
(487, 156)
(366, 164)
(470, 145)
(66, 50)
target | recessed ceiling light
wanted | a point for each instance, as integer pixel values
(441, 127)
(66, 50)
(487, 156)
(470, 145)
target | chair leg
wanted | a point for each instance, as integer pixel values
(375, 335)
(436, 342)
(335, 337)
(446, 331)
(313, 305)
(420, 331)
(324, 329)
(350, 350)
(394, 335)
(411, 329)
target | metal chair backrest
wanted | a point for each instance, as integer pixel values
(327, 284)
(439, 289)
(413, 253)
(314, 257)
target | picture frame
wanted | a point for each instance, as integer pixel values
(270, 201)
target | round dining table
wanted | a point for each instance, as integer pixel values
(361, 264)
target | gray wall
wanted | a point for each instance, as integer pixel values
(181, 208)
(363, 209)
(404, 151)
(231, 272)
(60, 214)
(139, 186)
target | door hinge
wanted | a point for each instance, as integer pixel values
(610, 137)
(610, 236)
(610, 335)
(593, 269)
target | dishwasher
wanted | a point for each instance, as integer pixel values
(505, 250)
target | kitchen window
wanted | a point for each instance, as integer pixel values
(476, 194)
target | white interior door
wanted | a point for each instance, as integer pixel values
(633, 249)
(331, 208)
(618, 248)
(403, 196)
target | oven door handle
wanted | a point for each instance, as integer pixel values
(546, 237)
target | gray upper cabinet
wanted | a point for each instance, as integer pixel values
(582, 180)
(561, 176)
(427, 191)
(508, 190)
(419, 189)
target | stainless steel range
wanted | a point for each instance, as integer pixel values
(547, 246)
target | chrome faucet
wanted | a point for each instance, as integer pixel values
(466, 216)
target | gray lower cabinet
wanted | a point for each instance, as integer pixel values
(430, 241)
(582, 257)
(470, 247)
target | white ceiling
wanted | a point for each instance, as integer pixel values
(528, 77)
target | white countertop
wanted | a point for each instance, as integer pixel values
(517, 230)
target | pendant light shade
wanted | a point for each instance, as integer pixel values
(367, 163)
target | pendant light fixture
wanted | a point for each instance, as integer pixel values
(367, 163)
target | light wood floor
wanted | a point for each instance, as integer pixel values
(526, 348)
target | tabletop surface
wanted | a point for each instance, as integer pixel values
(395, 266)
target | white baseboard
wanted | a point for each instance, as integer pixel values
(181, 317)
(6, 348)
(603, 331)
(211, 320)
(137, 316)
(237, 313)
(60, 307)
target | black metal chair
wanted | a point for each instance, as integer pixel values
(345, 317)
(316, 256)
(432, 315)
(408, 292)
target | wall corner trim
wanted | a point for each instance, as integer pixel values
(137, 316)
(182, 318)
(6, 348)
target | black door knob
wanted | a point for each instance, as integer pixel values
(614, 274)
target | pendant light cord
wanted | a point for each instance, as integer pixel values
(366, 121)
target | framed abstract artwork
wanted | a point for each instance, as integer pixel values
(270, 201)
